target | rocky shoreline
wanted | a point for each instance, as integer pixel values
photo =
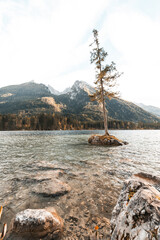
(137, 212)
(80, 210)
(86, 215)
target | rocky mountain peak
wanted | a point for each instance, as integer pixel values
(53, 91)
(32, 98)
(76, 88)
(81, 85)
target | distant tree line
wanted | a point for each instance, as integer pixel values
(41, 121)
(51, 121)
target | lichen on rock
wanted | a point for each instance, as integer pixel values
(36, 224)
(137, 212)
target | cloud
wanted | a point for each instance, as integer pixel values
(48, 41)
(43, 38)
(136, 38)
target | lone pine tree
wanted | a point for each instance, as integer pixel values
(106, 76)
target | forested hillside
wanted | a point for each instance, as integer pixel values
(31, 99)
(45, 121)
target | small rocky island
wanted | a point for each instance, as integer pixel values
(107, 140)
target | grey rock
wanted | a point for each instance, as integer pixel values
(137, 212)
(36, 224)
(48, 175)
(52, 188)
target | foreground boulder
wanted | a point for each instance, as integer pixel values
(36, 224)
(108, 140)
(137, 212)
(52, 188)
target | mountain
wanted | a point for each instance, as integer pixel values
(24, 97)
(149, 108)
(66, 90)
(31, 98)
(78, 86)
(53, 91)
(78, 102)
(25, 91)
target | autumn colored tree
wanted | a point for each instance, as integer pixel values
(106, 76)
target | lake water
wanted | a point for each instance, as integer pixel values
(95, 173)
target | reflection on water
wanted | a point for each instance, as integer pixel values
(95, 173)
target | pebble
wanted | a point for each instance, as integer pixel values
(103, 224)
(143, 211)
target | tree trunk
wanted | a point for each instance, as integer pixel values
(102, 92)
(105, 119)
(104, 110)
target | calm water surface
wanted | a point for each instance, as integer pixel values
(95, 170)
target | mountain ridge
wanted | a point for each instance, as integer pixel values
(32, 98)
(149, 108)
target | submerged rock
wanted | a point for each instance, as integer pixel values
(137, 212)
(47, 175)
(107, 140)
(52, 188)
(44, 165)
(36, 224)
(40, 177)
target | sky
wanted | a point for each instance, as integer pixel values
(48, 41)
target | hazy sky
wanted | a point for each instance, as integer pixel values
(48, 41)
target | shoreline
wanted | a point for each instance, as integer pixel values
(78, 130)
(95, 174)
(89, 203)
(87, 214)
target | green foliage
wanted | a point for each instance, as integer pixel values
(26, 105)
(106, 75)
(41, 121)
(50, 121)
